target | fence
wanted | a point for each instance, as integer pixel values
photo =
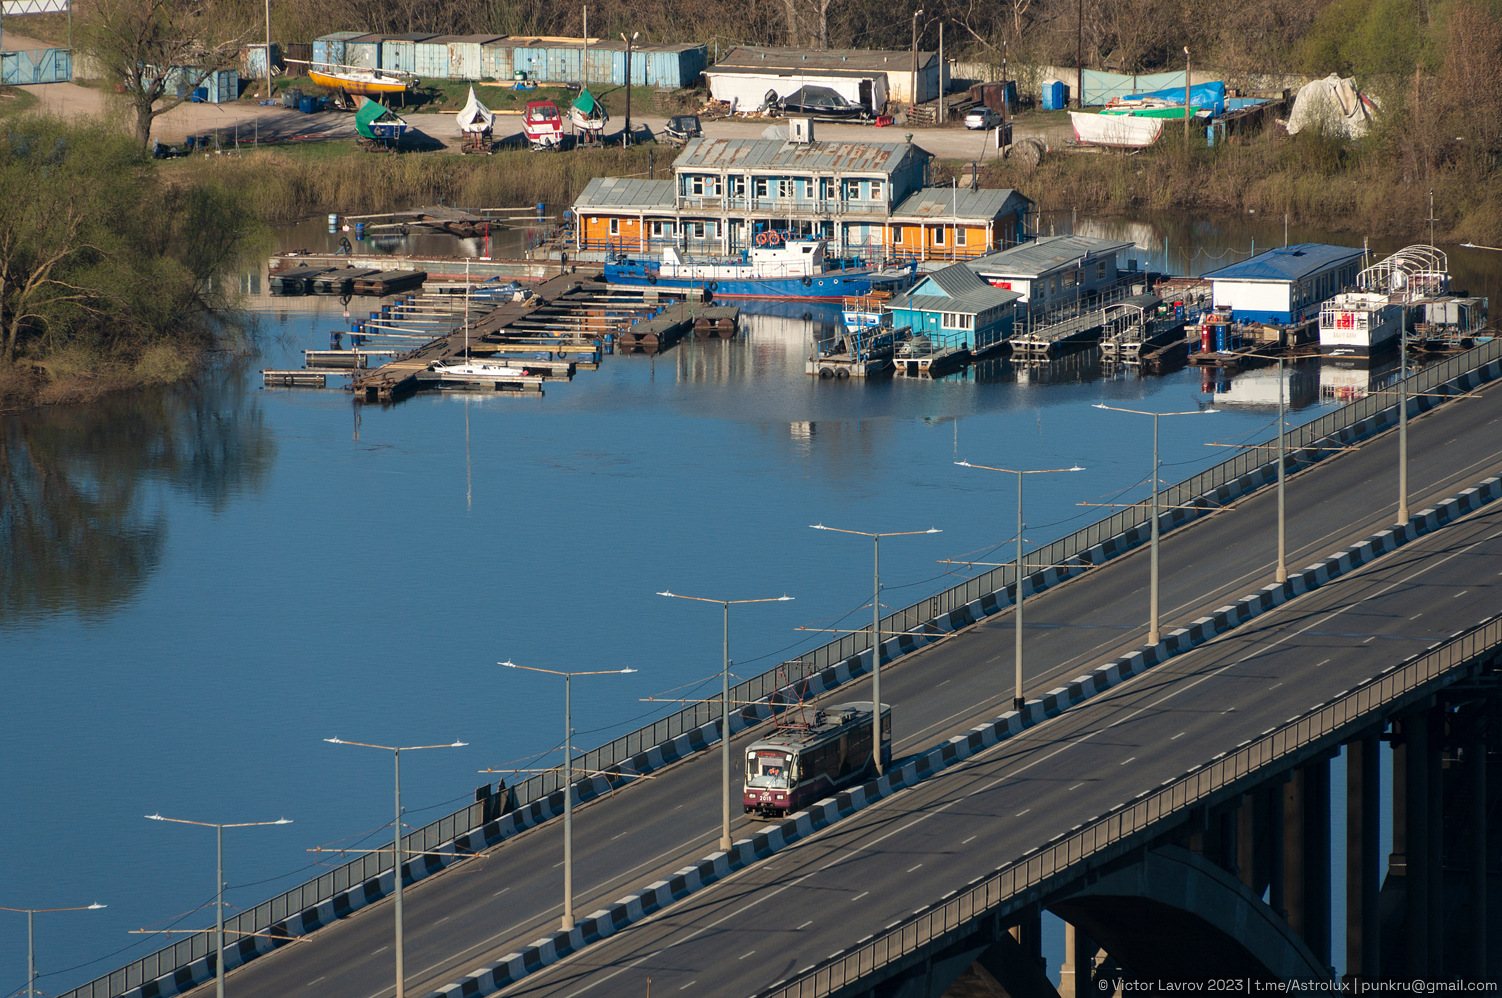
(1322, 728)
(28, 66)
(910, 619)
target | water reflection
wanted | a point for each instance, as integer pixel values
(82, 527)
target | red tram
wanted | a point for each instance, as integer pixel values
(808, 759)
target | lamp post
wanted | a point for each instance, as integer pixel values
(914, 96)
(1280, 573)
(1018, 700)
(1186, 96)
(1152, 622)
(568, 786)
(219, 882)
(725, 842)
(876, 620)
(31, 954)
(1403, 418)
(626, 135)
(397, 854)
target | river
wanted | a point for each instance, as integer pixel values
(202, 584)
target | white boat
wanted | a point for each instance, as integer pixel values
(587, 114)
(1115, 131)
(1358, 324)
(472, 368)
(475, 118)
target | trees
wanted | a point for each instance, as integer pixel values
(139, 43)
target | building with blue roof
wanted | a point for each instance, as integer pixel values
(1284, 286)
(954, 308)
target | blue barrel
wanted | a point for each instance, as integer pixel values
(306, 105)
(1222, 330)
(359, 230)
(542, 210)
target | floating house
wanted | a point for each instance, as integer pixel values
(1053, 269)
(1284, 286)
(953, 307)
(871, 77)
(866, 199)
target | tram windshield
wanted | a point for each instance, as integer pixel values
(767, 769)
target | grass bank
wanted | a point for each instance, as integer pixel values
(1352, 187)
(288, 184)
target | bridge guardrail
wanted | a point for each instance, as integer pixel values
(1334, 721)
(266, 915)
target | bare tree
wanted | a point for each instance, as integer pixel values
(148, 47)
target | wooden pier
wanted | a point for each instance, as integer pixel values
(1043, 342)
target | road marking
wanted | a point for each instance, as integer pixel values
(1461, 593)
(946, 682)
(1125, 761)
(614, 837)
(912, 868)
(969, 840)
(803, 926)
(498, 893)
(1177, 737)
(311, 983)
(1321, 662)
(1370, 640)
(1414, 617)
(555, 865)
(746, 954)
(383, 948)
(445, 918)
(688, 985)
(1276, 685)
(1076, 786)
(1023, 811)
(860, 895)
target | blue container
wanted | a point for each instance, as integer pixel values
(1222, 336)
(201, 95)
(1055, 96)
(307, 105)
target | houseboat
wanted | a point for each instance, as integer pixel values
(1360, 324)
(776, 270)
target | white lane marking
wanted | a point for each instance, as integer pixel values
(1272, 687)
(1369, 640)
(944, 683)
(1177, 737)
(741, 957)
(612, 838)
(1414, 617)
(311, 983)
(964, 843)
(684, 988)
(383, 948)
(445, 918)
(1125, 761)
(555, 865)
(498, 893)
(1457, 596)
(909, 869)
(856, 898)
(1321, 662)
(803, 926)
(1019, 813)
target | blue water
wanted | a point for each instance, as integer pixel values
(211, 581)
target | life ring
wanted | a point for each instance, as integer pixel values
(761, 239)
(651, 278)
(713, 286)
(808, 282)
(773, 237)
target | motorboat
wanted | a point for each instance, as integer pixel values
(777, 269)
(542, 124)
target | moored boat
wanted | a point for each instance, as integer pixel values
(1115, 131)
(1358, 324)
(792, 270)
(355, 82)
(542, 124)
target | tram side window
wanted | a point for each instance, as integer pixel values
(821, 761)
(858, 751)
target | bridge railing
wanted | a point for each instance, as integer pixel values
(912, 618)
(1319, 729)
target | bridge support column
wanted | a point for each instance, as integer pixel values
(1363, 865)
(1253, 852)
(1076, 973)
(1272, 804)
(1408, 865)
(1434, 763)
(1028, 933)
(1476, 788)
(1315, 846)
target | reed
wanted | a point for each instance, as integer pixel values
(287, 184)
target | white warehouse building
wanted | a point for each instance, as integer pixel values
(862, 76)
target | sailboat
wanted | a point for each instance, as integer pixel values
(588, 115)
(475, 122)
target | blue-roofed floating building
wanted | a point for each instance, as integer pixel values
(1284, 286)
(955, 309)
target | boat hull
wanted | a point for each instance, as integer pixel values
(833, 286)
(1115, 131)
(357, 86)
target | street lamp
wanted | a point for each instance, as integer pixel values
(1403, 418)
(1152, 623)
(876, 620)
(31, 955)
(725, 706)
(1186, 96)
(1017, 699)
(914, 103)
(568, 785)
(1280, 574)
(219, 882)
(626, 135)
(397, 854)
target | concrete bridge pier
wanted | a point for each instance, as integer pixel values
(1306, 852)
(1363, 862)
(1077, 972)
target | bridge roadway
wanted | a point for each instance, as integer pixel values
(479, 911)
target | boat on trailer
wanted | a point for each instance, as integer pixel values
(542, 124)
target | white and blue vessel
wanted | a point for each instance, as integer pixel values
(794, 270)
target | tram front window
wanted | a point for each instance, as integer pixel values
(767, 770)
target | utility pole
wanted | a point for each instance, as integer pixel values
(943, 109)
(913, 97)
(1079, 58)
(1186, 96)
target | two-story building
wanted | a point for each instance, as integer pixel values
(1053, 270)
(868, 199)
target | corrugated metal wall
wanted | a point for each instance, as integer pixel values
(497, 60)
(18, 69)
(431, 58)
(474, 57)
(400, 53)
(330, 49)
(363, 52)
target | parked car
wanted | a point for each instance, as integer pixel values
(983, 117)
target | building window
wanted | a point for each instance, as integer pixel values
(615, 226)
(1100, 271)
(761, 187)
(939, 236)
(785, 188)
(958, 320)
(960, 236)
(876, 190)
(660, 229)
(737, 185)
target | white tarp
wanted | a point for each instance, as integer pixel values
(474, 117)
(1334, 106)
(15, 8)
(748, 90)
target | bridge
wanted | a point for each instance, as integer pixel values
(1190, 805)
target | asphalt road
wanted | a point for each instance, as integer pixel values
(479, 911)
